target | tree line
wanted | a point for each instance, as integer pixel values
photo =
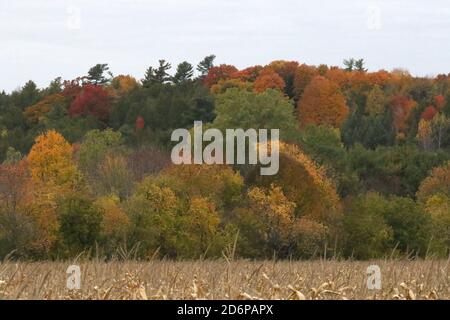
(364, 164)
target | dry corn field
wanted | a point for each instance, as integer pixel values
(226, 280)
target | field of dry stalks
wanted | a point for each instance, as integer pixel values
(226, 280)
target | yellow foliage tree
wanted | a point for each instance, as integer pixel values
(306, 184)
(50, 160)
(276, 211)
(269, 222)
(424, 134)
(115, 223)
(224, 85)
(122, 85)
(434, 194)
(41, 207)
(376, 101)
(199, 228)
(218, 183)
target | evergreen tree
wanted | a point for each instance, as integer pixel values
(158, 75)
(96, 75)
(206, 64)
(185, 72)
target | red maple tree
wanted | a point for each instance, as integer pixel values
(92, 100)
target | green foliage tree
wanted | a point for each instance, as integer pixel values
(368, 234)
(397, 170)
(242, 109)
(164, 109)
(185, 72)
(114, 177)
(28, 95)
(323, 144)
(80, 224)
(96, 146)
(96, 75)
(206, 64)
(349, 64)
(157, 75)
(411, 226)
(359, 65)
(152, 211)
(354, 65)
(382, 155)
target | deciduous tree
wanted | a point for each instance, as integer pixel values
(222, 72)
(322, 103)
(268, 79)
(50, 160)
(92, 100)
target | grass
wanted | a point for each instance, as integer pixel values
(429, 279)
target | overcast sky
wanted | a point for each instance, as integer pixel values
(44, 39)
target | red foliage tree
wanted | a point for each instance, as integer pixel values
(401, 107)
(439, 101)
(140, 123)
(92, 100)
(249, 74)
(71, 89)
(429, 113)
(222, 72)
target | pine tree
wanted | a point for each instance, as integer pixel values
(185, 72)
(158, 75)
(206, 64)
(96, 75)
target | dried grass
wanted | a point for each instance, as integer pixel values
(226, 279)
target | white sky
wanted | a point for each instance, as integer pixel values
(44, 39)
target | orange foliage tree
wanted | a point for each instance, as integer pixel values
(303, 76)
(379, 78)
(286, 70)
(401, 107)
(248, 74)
(439, 101)
(34, 113)
(27, 210)
(222, 72)
(268, 79)
(13, 184)
(438, 182)
(322, 103)
(338, 76)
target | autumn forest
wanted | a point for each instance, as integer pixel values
(364, 164)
